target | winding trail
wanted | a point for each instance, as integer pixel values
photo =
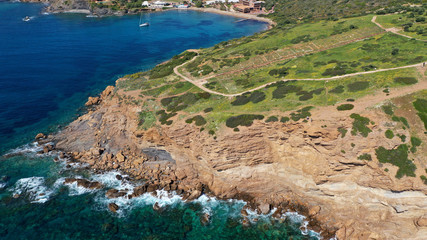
(394, 30)
(199, 83)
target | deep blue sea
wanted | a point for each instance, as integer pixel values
(48, 67)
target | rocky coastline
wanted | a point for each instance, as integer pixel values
(288, 167)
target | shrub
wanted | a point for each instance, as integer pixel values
(211, 132)
(360, 125)
(365, 156)
(242, 120)
(399, 158)
(421, 106)
(388, 109)
(343, 131)
(199, 120)
(337, 89)
(283, 89)
(301, 114)
(389, 134)
(400, 119)
(345, 107)
(284, 119)
(255, 97)
(357, 86)
(424, 179)
(272, 119)
(395, 51)
(164, 117)
(208, 110)
(166, 69)
(402, 137)
(279, 72)
(415, 142)
(405, 80)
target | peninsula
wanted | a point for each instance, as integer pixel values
(325, 114)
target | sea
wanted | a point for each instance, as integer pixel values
(49, 66)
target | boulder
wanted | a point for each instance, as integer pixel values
(314, 211)
(119, 177)
(264, 208)
(204, 219)
(244, 213)
(156, 206)
(84, 183)
(113, 207)
(40, 136)
(194, 195)
(92, 101)
(114, 193)
(107, 92)
(47, 148)
(120, 157)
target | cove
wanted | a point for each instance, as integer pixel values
(51, 64)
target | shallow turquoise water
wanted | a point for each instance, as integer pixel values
(48, 68)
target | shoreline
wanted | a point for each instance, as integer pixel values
(270, 22)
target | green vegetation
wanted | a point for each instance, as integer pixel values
(163, 70)
(146, 119)
(360, 125)
(411, 20)
(424, 179)
(343, 131)
(415, 142)
(345, 107)
(405, 80)
(199, 120)
(389, 134)
(388, 109)
(357, 86)
(272, 119)
(242, 120)
(399, 158)
(284, 119)
(402, 137)
(254, 97)
(365, 156)
(302, 113)
(421, 106)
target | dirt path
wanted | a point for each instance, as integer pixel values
(199, 83)
(394, 30)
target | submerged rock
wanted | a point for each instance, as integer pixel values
(113, 207)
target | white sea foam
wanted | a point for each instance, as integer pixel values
(33, 188)
(2, 185)
(31, 148)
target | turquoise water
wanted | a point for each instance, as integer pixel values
(48, 68)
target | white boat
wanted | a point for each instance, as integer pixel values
(26, 19)
(143, 24)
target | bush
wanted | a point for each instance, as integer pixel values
(343, 131)
(255, 97)
(357, 86)
(199, 120)
(208, 110)
(283, 89)
(421, 106)
(284, 119)
(166, 69)
(405, 80)
(175, 104)
(389, 134)
(164, 117)
(360, 125)
(402, 137)
(399, 158)
(242, 120)
(337, 89)
(301, 114)
(388, 109)
(415, 142)
(424, 179)
(365, 156)
(272, 119)
(345, 107)
(280, 72)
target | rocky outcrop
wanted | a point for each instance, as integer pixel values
(84, 183)
(304, 167)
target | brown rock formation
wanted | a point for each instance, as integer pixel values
(299, 166)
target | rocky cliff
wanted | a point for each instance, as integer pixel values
(305, 166)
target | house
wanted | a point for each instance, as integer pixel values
(247, 6)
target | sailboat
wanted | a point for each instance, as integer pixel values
(26, 19)
(143, 24)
